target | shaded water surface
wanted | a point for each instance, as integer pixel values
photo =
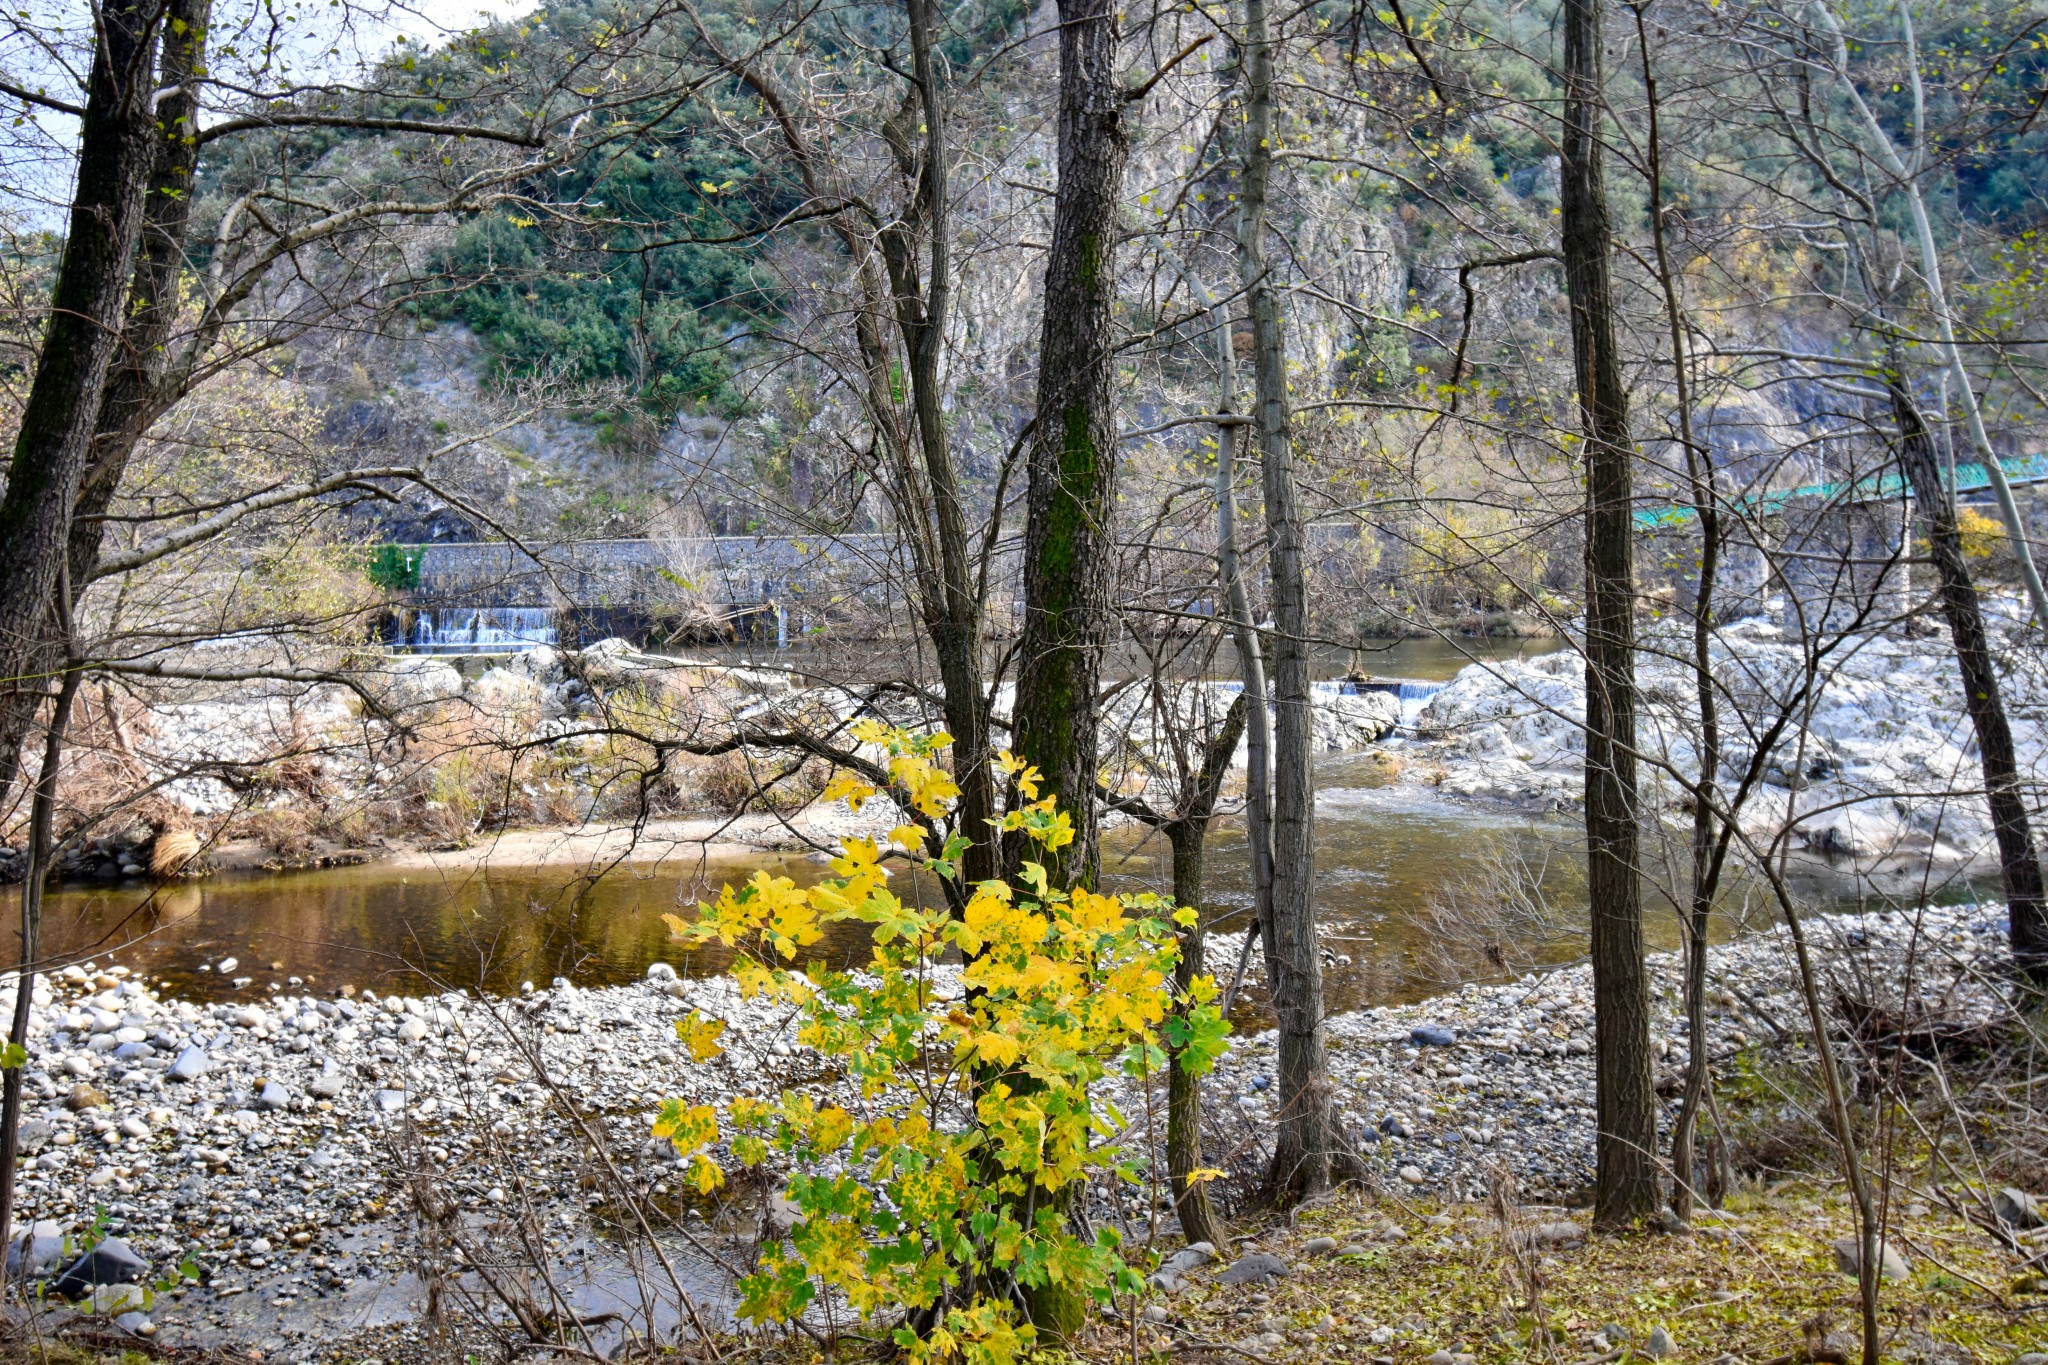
(1384, 856)
(1415, 894)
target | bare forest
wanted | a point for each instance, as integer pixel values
(810, 680)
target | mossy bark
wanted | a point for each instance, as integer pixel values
(1071, 497)
(1071, 493)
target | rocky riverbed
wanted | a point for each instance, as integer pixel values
(1436, 1093)
(1873, 769)
(275, 1141)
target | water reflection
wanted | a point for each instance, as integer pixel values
(390, 929)
(1415, 894)
(1383, 855)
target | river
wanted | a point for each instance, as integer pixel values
(1415, 893)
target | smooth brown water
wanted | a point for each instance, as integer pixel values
(1389, 863)
(1418, 892)
(1383, 854)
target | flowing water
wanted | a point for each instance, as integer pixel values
(481, 630)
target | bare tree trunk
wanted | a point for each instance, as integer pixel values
(1187, 834)
(1707, 846)
(1626, 1145)
(59, 418)
(1244, 634)
(1869, 1231)
(42, 812)
(1706, 862)
(1307, 1146)
(1907, 170)
(1071, 496)
(2018, 863)
(915, 297)
(1191, 1203)
(953, 617)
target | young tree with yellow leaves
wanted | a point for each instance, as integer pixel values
(945, 1201)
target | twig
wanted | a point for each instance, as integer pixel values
(1223, 1346)
(1996, 1297)
(1138, 92)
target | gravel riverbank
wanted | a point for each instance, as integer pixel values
(271, 1139)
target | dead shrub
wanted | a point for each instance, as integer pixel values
(286, 831)
(737, 782)
(172, 852)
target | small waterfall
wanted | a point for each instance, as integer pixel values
(482, 630)
(1413, 696)
(1412, 693)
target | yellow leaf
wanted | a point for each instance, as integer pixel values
(849, 788)
(701, 1032)
(705, 1174)
(1027, 776)
(998, 1049)
(832, 1127)
(687, 1126)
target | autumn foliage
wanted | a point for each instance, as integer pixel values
(948, 1185)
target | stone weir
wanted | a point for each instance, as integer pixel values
(500, 597)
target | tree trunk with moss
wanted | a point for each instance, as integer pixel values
(133, 397)
(127, 402)
(60, 416)
(1071, 494)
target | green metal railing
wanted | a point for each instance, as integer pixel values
(1888, 487)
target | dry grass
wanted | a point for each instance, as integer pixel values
(1752, 1286)
(735, 783)
(173, 849)
(92, 1344)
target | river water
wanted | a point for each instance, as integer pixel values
(1383, 854)
(1410, 887)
